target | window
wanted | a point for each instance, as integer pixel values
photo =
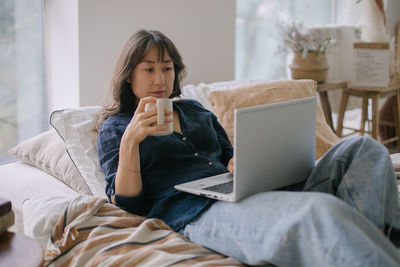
(257, 36)
(23, 111)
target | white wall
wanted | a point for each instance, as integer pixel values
(62, 53)
(203, 31)
(392, 16)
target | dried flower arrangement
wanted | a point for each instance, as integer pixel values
(298, 39)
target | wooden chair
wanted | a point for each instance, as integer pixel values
(323, 89)
(373, 93)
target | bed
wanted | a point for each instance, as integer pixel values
(57, 186)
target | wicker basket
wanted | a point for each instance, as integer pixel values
(312, 66)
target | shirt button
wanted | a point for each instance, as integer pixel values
(210, 163)
(184, 138)
(196, 154)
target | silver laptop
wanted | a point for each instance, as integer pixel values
(274, 147)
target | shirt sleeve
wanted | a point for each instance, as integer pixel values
(108, 143)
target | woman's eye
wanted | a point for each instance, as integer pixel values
(168, 69)
(149, 70)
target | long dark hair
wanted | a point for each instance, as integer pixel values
(135, 49)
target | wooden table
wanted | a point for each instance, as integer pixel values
(373, 93)
(19, 250)
(322, 89)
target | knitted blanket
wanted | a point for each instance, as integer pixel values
(92, 232)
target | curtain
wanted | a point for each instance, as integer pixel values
(257, 34)
(23, 111)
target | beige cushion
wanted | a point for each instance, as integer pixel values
(47, 152)
(224, 103)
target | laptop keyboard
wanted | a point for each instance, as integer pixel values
(225, 188)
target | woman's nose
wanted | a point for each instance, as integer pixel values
(160, 79)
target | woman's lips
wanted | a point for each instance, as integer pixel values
(158, 93)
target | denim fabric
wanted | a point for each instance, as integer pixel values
(203, 149)
(313, 228)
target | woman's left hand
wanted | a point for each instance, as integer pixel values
(230, 166)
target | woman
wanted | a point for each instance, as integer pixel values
(284, 228)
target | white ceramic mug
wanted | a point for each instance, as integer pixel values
(162, 105)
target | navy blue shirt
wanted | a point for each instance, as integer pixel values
(203, 149)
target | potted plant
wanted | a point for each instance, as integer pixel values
(309, 47)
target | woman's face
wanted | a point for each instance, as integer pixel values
(152, 77)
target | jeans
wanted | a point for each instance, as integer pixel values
(332, 221)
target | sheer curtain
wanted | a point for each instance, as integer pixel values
(257, 35)
(23, 111)
(370, 15)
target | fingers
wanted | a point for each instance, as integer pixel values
(149, 118)
(151, 115)
(144, 123)
(142, 106)
(143, 101)
(145, 115)
(167, 112)
(230, 166)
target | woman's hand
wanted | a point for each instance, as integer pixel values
(128, 181)
(231, 165)
(144, 123)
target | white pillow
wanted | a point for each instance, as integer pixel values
(47, 152)
(201, 91)
(198, 92)
(76, 127)
(40, 216)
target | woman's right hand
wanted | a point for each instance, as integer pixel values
(128, 181)
(144, 123)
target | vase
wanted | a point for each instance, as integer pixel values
(313, 66)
